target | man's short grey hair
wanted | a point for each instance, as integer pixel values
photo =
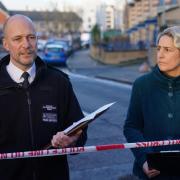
(173, 32)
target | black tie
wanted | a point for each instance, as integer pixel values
(25, 83)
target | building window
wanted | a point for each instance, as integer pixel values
(89, 19)
(162, 2)
(174, 1)
(168, 1)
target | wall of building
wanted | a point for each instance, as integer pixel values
(142, 20)
(3, 17)
(172, 17)
(109, 17)
(120, 57)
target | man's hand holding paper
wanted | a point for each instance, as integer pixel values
(76, 126)
(70, 135)
(60, 140)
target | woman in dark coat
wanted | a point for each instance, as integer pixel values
(154, 110)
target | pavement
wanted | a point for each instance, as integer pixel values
(124, 74)
(83, 64)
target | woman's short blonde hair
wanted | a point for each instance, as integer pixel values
(173, 32)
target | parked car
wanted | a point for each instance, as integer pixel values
(66, 45)
(40, 45)
(85, 40)
(85, 44)
(54, 54)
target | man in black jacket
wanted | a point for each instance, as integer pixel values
(36, 104)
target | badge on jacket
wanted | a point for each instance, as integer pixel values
(49, 113)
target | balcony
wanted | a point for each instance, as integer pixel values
(166, 7)
(167, 2)
(131, 3)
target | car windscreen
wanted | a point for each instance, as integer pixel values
(54, 49)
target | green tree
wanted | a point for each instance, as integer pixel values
(96, 35)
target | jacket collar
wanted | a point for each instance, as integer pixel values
(165, 80)
(6, 81)
(16, 73)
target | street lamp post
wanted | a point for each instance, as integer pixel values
(163, 13)
(149, 33)
(101, 40)
(149, 17)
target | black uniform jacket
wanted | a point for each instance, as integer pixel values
(29, 119)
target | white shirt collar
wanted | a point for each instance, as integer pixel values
(16, 73)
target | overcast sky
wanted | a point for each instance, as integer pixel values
(44, 4)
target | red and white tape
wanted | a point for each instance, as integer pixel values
(86, 149)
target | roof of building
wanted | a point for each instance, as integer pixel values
(3, 7)
(49, 15)
(167, 8)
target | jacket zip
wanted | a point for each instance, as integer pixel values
(31, 126)
(30, 118)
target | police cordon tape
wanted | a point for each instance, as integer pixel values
(86, 149)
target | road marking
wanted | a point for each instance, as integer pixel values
(104, 81)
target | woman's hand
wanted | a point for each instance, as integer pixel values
(150, 172)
